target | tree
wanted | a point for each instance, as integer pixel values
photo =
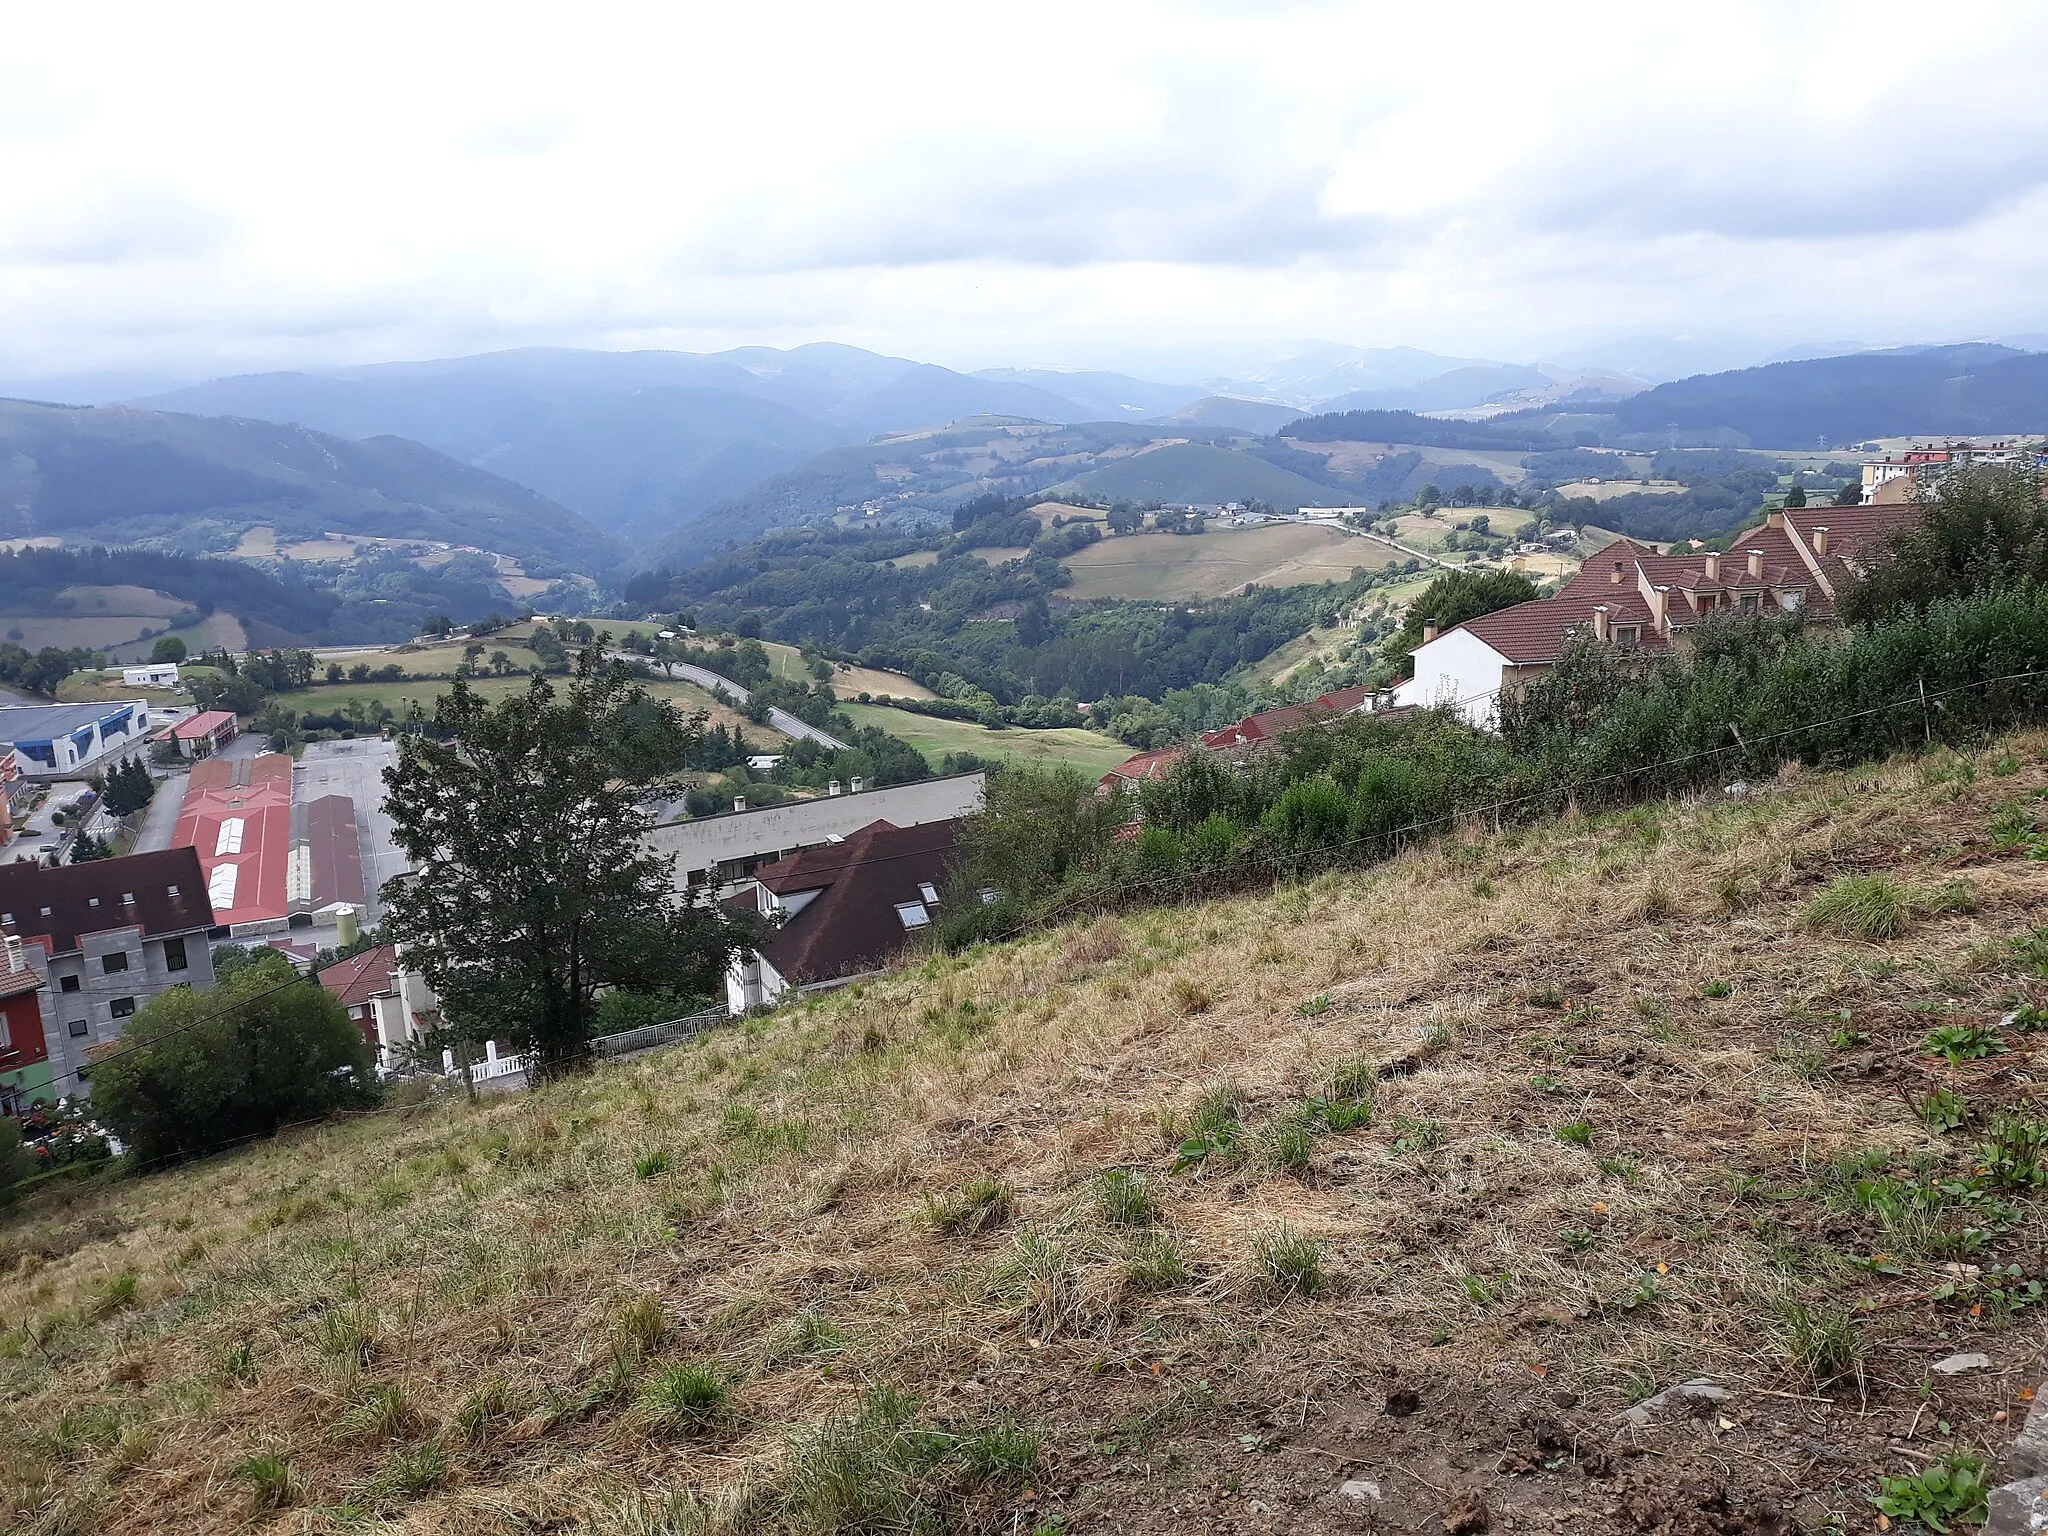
(534, 886)
(1796, 497)
(1850, 495)
(169, 649)
(200, 1070)
(1979, 530)
(88, 848)
(1451, 599)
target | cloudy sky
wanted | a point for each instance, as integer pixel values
(208, 188)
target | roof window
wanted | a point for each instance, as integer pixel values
(928, 892)
(913, 914)
(170, 890)
(127, 898)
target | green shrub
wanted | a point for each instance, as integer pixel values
(201, 1070)
(1963, 1042)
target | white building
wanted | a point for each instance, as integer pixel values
(157, 674)
(65, 741)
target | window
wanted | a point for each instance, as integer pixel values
(170, 890)
(46, 911)
(77, 1029)
(92, 901)
(121, 1007)
(230, 839)
(174, 954)
(67, 984)
(913, 914)
(931, 896)
(114, 963)
(127, 898)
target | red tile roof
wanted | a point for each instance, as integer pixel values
(851, 923)
(196, 726)
(362, 976)
(1146, 765)
(13, 983)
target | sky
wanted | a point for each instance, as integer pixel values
(219, 188)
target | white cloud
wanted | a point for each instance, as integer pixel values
(241, 186)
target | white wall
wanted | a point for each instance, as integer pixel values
(1456, 668)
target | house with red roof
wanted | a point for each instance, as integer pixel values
(842, 909)
(1634, 598)
(1251, 734)
(393, 1007)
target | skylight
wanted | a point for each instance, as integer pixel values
(230, 839)
(220, 886)
(913, 914)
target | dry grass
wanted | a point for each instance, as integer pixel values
(471, 1319)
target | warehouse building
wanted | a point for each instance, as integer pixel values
(68, 741)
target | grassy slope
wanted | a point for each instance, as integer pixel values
(1148, 567)
(1506, 1290)
(1089, 751)
(1198, 472)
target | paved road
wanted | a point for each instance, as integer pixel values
(356, 769)
(781, 719)
(161, 819)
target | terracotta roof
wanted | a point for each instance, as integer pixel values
(362, 976)
(196, 726)
(168, 888)
(851, 923)
(13, 983)
(1146, 765)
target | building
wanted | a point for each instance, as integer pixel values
(842, 909)
(155, 674)
(204, 734)
(714, 853)
(24, 1054)
(106, 937)
(1899, 477)
(393, 1007)
(1633, 598)
(13, 793)
(66, 741)
(1254, 733)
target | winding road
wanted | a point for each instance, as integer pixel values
(708, 680)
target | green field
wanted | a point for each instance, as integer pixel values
(1157, 567)
(1089, 751)
(1184, 472)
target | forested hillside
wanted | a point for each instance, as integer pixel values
(196, 484)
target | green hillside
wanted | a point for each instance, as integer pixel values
(1201, 472)
(120, 475)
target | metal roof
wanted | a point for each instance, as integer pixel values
(46, 722)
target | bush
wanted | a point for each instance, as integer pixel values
(199, 1071)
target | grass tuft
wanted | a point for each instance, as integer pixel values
(1124, 1199)
(986, 1202)
(271, 1482)
(1288, 1263)
(685, 1399)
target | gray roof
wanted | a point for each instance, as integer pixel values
(46, 722)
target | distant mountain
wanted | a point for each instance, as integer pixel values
(1302, 373)
(118, 474)
(1103, 396)
(1459, 387)
(638, 442)
(1973, 388)
(1203, 473)
(1254, 416)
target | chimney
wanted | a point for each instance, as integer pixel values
(1600, 619)
(1714, 565)
(739, 802)
(1774, 519)
(1659, 607)
(1820, 542)
(1616, 577)
(833, 788)
(1756, 562)
(858, 785)
(1428, 633)
(13, 954)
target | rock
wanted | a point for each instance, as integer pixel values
(1695, 1396)
(1955, 1365)
(1465, 1514)
(2018, 1509)
(2028, 1456)
(1362, 1491)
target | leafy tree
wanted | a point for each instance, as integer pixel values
(534, 885)
(1796, 497)
(168, 649)
(1981, 530)
(1850, 495)
(200, 1070)
(1452, 599)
